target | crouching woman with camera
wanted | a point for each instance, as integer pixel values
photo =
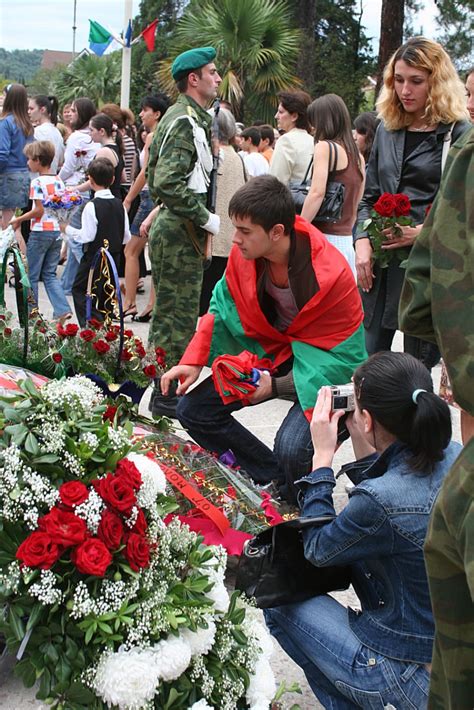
(401, 434)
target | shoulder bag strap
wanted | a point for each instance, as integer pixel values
(446, 146)
(309, 171)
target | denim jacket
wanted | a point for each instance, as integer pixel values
(381, 533)
(12, 142)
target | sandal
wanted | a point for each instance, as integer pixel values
(130, 311)
(143, 318)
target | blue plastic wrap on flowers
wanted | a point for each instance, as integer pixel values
(62, 204)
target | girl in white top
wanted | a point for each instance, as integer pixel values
(43, 113)
(293, 150)
(80, 148)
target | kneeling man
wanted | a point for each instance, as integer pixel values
(287, 295)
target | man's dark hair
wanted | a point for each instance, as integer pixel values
(182, 83)
(258, 122)
(252, 133)
(266, 131)
(266, 201)
(101, 171)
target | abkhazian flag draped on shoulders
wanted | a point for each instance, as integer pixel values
(326, 339)
(101, 41)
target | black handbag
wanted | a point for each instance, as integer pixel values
(333, 202)
(274, 571)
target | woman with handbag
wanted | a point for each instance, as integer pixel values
(336, 161)
(401, 434)
(423, 109)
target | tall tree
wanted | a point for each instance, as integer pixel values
(98, 78)
(391, 34)
(304, 12)
(342, 58)
(456, 21)
(256, 50)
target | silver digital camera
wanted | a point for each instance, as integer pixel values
(343, 397)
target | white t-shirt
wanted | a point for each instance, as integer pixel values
(80, 150)
(255, 164)
(48, 132)
(41, 188)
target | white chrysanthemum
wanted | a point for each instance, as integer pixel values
(262, 686)
(200, 641)
(201, 705)
(153, 479)
(127, 679)
(264, 640)
(218, 594)
(172, 657)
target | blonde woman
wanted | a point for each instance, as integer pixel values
(421, 103)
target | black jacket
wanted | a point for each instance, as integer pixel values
(419, 178)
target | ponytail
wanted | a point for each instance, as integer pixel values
(50, 103)
(397, 390)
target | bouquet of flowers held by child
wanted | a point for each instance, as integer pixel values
(62, 204)
(390, 212)
(104, 603)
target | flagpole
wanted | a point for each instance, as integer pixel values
(126, 59)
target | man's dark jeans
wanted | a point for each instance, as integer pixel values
(211, 424)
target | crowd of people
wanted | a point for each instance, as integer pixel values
(307, 292)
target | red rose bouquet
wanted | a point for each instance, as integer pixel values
(389, 212)
(103, 603)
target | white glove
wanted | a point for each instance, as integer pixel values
(213, 224)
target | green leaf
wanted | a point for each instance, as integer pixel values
(34, 617)
(89, 634)
(46, 458)
(31, 444)
(45, 685)
(26, 672)
(63, 669)
(78, 693)
(16, 625)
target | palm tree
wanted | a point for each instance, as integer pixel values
(98, 78)
(256, 50)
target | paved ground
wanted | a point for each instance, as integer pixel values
(264, 421)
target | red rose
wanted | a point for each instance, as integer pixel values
(117, 491)
(403, 205)
(87, 335)
(126, 355)
(137, 552)
(140, 350)
(127, 469)
(110, 530)
(141, 524)
(385, 205)
(92, 557)
(160, 353)
(71, 330)
(57, 357)
(101, 347)
(73, 493)
(149, 371)
(65, 527)
(38, 550)
(109, 413)
(96, 324)
(7, 331)
(128, 333)
(60, 331)
(110, 335)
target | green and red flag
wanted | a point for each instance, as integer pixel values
(326, 339)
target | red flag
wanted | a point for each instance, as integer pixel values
(148, 35)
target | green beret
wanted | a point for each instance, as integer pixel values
(192, 59)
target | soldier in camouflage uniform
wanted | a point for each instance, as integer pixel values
(437, 304)
(178, 176)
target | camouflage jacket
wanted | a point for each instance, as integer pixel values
(168, 169)
(449, 553)
(437, 300)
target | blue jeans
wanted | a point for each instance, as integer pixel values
(74, 250)
(42, 252)
(343, 673)
(211, 424)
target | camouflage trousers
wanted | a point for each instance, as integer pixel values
(176, 270)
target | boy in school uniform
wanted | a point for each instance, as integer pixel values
(103, 218)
